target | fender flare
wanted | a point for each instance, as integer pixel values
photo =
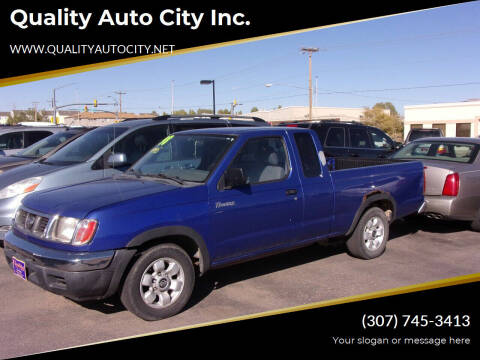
(369, 199)
(165, 231)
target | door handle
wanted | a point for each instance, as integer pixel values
(291, 192)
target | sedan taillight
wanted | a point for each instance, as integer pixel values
(451, 186)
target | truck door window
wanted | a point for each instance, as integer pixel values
(308, 154)
(137, 143)
(263, 160)
(11, 141)
(31, 137)
(359, 138)
(335, 137)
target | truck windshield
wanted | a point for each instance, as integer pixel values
(42, 147)
(185, 157)
(86, 146)
(443, 151)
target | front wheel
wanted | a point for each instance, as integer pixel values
(160, 283)
(369, 238)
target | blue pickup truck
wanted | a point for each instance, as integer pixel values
(199, 200)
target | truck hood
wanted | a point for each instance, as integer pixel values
(79, 200)
(27, 171)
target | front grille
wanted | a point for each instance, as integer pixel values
(31, 222)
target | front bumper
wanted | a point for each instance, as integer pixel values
(78, 276)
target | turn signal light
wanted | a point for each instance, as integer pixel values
(85, 231)
(451, 186)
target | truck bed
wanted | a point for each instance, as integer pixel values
(345, 163)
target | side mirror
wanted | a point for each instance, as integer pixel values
(116, 160)
(234, 177)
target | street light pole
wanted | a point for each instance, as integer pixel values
(310, 51)
(54, 101)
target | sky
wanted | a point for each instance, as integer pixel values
(425, 57)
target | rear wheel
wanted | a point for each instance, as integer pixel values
(369, 238)
(160, 283)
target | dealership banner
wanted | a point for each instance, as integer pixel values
(41, 37)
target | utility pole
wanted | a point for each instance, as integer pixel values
(35, 104)
(54, 105)
(310, 51)
(120, 93)
(173, 98)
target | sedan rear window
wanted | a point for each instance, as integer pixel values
(443, 151)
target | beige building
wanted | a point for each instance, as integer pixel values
(101, 118)
(455, 119)
(299, 113)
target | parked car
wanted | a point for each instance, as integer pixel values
(350, 139)
(415, 134)
(44, 147)
(101, 153)
(199, 200)
(452, 173)
(15, 138)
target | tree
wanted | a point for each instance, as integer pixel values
(390, 123)
(180, 112)
(254, 109)
(387, 106)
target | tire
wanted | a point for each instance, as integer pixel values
(369, 239)
(160, 283)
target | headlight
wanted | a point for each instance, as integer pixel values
(73, 231)
(20, 187)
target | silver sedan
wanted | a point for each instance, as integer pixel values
(452, 176)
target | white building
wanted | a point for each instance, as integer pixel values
(298, 113)
(455, 119)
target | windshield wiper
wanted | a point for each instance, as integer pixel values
(163, 176)
(135, 172)
(160, 176)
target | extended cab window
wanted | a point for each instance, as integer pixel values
(335, 137)
(308, 155)
(263, 160)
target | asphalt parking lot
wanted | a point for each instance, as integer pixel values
(33, 320)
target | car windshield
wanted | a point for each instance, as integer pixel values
(443, 151)
(184, 157)
(86, 146)
(42, 147)
(414, 135)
